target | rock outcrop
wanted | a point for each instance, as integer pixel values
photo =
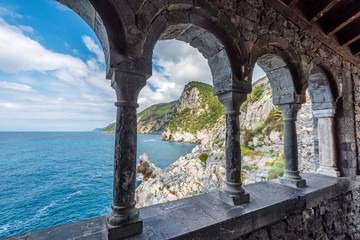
(146, 168)
(190, 175)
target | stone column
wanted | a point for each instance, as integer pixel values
(291, 176)
(327, 143)
(123, 221)
(316, 142)
(233, 193)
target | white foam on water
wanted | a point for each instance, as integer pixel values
(43, 211)
(150, 140)
(139, 177)
(71, 195)
(4, 228)
(13, 226)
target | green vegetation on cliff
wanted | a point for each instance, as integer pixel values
(202, 112)
(109, 128)
(206, 111)
(156, 111)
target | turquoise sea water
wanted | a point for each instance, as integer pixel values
(53, 178)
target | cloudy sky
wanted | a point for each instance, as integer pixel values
(52, 71)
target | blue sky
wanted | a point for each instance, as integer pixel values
(52, 71)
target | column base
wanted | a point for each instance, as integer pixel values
(122, 214)
(125, 230)
(234, 194)
(234, 200)
(329, 171)
(299, 183)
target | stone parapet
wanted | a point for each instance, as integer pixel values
(326, 207)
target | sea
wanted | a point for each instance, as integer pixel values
(53, 178)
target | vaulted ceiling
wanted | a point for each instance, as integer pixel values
(334, 22)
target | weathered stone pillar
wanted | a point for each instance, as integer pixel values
(327, 143)
(123, 220)
(316, 142)
(233, 192)
(291, 176)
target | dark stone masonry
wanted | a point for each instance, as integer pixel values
(336, 218)
(301, 46)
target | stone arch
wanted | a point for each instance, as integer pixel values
(283, 67)
(196, 27)
(107, 27)
(219, 41)
(323, 91)
(319, 70)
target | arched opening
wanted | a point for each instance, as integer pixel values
(323, 104)
(196, 120)
(261, 133)
(279, 68)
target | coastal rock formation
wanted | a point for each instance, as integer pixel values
(190, 175)
(146, 168)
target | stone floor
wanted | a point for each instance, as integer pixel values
(206, 217)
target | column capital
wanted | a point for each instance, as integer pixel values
(127, 86)
(289, 111)
(324, 113)
(232, 101)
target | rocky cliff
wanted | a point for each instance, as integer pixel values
(197, 112)
(156, 118)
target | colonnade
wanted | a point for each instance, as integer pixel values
(128, 86)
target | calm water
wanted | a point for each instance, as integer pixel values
(48, 179)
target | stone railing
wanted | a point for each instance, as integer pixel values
(327, 207)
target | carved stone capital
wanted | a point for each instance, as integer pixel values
(232, 101)
(324, 113)
(127, 86)
(287, 98)
(289, 111)
(232, 86)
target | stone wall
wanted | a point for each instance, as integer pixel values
(336, 218)
(356, 80)
(255, 24)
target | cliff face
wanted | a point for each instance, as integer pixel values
(197, 112)
(155, 119)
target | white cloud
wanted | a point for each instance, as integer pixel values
(21, 53)
(16, 86)
(40, 85)
(7, 12)
(25, 28)
(257, 73)
(178, 63)
(61, 7)
(94, 48)
(10, 105)
(73, 50)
